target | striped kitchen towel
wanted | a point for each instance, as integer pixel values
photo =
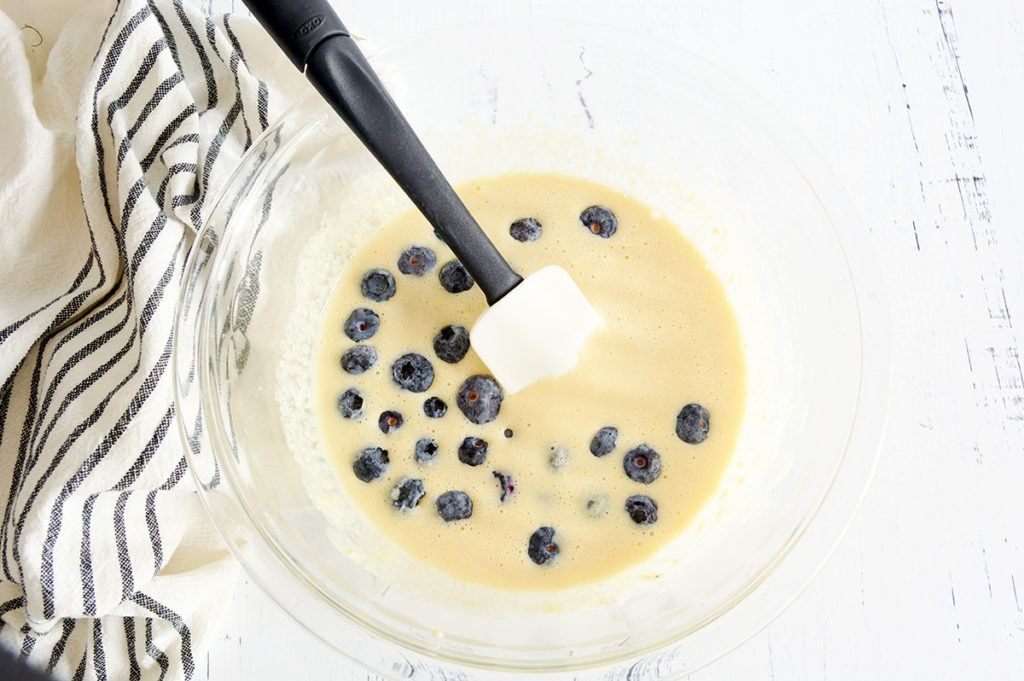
(117, 122)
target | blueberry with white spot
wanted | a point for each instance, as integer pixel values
(358, 359)
(451, 343)
(559, 458)
(473, 451)
(600, 221)
(378, 284)
(350, 404)
(408, 494)
(454, 505)
(413, 372)
(642, 464)
(454, 277)
(425, 450)
(361, 324)
(542, 547)
(508, 487)
(692, 424)
(479, 398)
(417, 261)
(370, 464)
(642, 509)
(604, 441)
(434, 407)
(389, 421)
(526, 229)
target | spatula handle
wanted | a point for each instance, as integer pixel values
(313, 37)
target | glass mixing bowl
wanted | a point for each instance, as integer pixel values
(780, 234)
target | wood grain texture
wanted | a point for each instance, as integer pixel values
(917, 106)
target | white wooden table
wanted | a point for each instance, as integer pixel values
(918, 106)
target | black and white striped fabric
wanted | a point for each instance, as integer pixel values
(119, 121)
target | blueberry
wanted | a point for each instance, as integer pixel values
(479, 398)
(389, 421)
(692, 424)
(413, 372)
(508, 487)
(454, 277)
(542, 546)
(451, 343)
(642, 509)
(559, 457)
(527, 229)
(642, 464)
(473, 451)
(454, 505)
(370, 464)
(600, 221)
(597, 506)
(417, 261)
(605, 440)
(350, 404)
(358, 359)
(408, 494)
(378, 285)
(426, 450)
(434, 407)
(508, 432)
(361, 324)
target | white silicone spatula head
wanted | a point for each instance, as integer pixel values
(536, 330)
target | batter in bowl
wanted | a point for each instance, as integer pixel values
(574, 478)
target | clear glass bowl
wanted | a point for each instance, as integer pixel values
(790, 250)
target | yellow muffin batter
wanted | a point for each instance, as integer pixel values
(669, 338)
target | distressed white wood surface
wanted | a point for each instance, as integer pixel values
(918, 106)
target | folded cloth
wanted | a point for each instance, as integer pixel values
(117, 122)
